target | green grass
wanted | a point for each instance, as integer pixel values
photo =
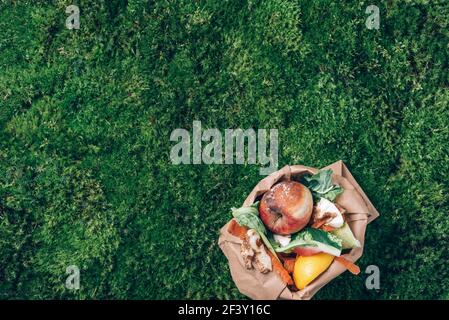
(86, 116)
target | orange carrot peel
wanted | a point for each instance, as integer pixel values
(289, 264)
(327, 228)
(353, 268)
(237, 230)
(280, 270)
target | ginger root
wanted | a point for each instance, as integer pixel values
(253, 252)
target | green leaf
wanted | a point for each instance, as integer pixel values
(321, 186)
(251, 221)
(249, 217)
(311, 237)
(253, 209)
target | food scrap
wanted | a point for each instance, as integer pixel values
(253, 252)
(296, 231)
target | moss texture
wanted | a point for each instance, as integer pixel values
(86, 116)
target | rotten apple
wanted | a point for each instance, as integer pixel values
(286, 208)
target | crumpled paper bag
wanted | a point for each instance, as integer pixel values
(255, 285)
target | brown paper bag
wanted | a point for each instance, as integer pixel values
(255, 285)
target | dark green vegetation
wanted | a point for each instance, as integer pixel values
(86, 115)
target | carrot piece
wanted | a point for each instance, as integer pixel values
(353, 268)
(280, 270)
(318, 224)
(327, 228)
(289, 264)
(237, 230)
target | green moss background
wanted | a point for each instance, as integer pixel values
(86, 116)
